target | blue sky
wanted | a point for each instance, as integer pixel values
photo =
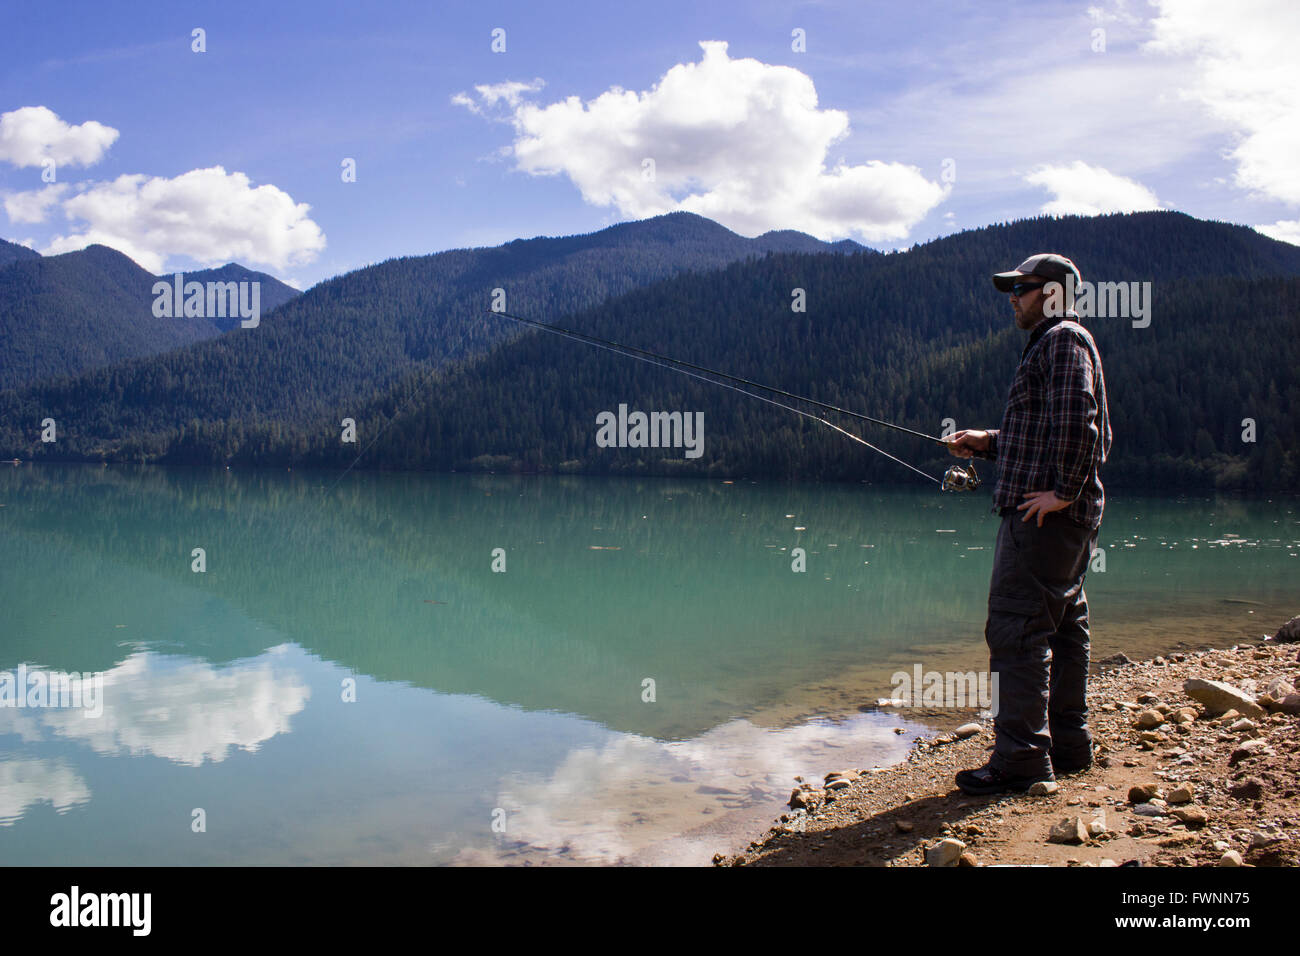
(897, 122)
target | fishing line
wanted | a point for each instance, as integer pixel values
(675, 363)
(770, 401)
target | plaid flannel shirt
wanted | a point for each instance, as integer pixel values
(1055, 432)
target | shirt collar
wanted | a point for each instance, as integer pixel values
(1044, 325)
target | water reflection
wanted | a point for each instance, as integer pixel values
(28, 781)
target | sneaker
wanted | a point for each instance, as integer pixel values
(988, 779)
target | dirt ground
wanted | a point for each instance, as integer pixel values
(1226, 787)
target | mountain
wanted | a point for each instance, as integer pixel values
(13, 252)
(65, 314)
(345, 342)
(272, 292)
(915, 337)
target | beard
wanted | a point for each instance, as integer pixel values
(1028, 318)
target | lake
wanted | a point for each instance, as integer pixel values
(348, 680)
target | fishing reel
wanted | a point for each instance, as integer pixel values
(961, 478)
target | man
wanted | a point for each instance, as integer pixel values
(1055, 434)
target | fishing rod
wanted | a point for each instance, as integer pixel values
(672, 363)
(956, 478)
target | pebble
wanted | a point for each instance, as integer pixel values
(1149, 720)
(944, 853)
(1143, 792)
(1044, 788)
(1231, 858)
(1193, 817)
(967, 730)
(1069, 830)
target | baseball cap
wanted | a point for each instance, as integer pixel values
(1045, 265)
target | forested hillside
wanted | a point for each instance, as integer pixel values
(348, 340)
(915, 337)
(67, 314)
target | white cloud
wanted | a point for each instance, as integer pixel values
(33, 134)
(1247, 78)
(207, 214)
(739, 141)
(30, 206)
(1084, 190)
(490, 94)
(1286, 230)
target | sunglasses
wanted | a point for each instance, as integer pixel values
(1020, 288)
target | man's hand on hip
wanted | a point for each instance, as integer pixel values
(1041, 503)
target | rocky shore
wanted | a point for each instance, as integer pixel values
(1197, 764)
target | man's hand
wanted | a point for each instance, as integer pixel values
(968, 440)
(1041, 503)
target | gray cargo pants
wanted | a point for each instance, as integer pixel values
(1037, 633)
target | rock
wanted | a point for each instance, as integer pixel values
(1194, 817)
(967, 730)
(944, 853)
(1290, 704)
(1149, 719)
(1044, 788)
(1219, 697)
(1289, 632)
(1259, 838)
(1231, 858)
(1252, 788)
(1069, 830)
(1115, 660)
(1240, 726)
(839, 783)
(809, 799)
(848, 775)
(1181, 794)
(968, 859)
(1279, 687)
(1143, 792)
(904, 826)
(1107, 861)
(1148, 810)
(1097, 826)
(1248, 749)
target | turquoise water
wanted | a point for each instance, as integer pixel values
(350, 681)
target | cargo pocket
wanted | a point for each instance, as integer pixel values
(1009, 619)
